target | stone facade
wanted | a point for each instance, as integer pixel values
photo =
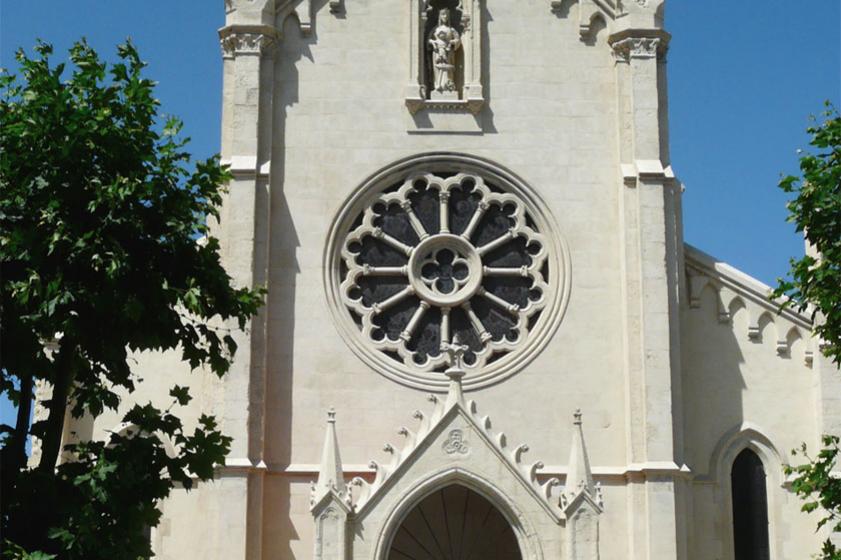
(678, 361)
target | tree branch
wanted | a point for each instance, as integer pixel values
(65, 372)
(17, 446)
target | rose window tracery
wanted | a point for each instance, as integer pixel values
(438, 257)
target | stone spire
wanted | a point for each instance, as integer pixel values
(330, 474)
(579, 476)
(581, 501)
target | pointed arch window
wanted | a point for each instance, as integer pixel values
(750, 508)
(455, 523)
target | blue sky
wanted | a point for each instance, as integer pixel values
(742, 82)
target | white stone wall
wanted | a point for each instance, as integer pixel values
(750, 379)
(340, 117)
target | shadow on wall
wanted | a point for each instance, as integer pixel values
(717, 380)
(590, 30)
(278, 530)
(488, 126)
(713, 380)
(713, 385)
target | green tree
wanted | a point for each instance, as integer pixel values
(815, 288)
(105, 251)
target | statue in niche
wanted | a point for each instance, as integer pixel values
(444, 41)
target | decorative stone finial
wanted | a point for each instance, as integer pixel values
(579, 476)
(455, 352)
(330, 473)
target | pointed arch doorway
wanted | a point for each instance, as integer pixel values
(750, 507)
(454, 523)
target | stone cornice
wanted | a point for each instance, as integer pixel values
(639, 43)
(600, 473)
(237, 40)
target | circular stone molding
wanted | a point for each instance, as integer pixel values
(443, 248)
(445, 270)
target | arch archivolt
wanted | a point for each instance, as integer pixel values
(736, 440)
(527, 536)
(746, 436)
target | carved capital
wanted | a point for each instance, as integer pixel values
(247, 40)
(641, 44)
(637, 47)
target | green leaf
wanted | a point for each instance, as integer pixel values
(101, 205)
(180, 394)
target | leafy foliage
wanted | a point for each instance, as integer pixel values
(815, 482)
(105, 251)
(816, 287)
(816, 210)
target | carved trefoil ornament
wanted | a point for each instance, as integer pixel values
(445, 68)
(456, 443)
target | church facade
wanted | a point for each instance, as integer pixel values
(484, 335)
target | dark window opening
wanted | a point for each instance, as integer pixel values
(750, 508)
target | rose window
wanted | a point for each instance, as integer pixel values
(436, 257)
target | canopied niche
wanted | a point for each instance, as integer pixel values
(445, 70)
(454, 523)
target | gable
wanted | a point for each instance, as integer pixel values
(458, 443)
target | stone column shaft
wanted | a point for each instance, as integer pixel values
(246, 145)
(650, 258)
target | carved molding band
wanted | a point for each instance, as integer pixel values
(441, 251)
(250, 40)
